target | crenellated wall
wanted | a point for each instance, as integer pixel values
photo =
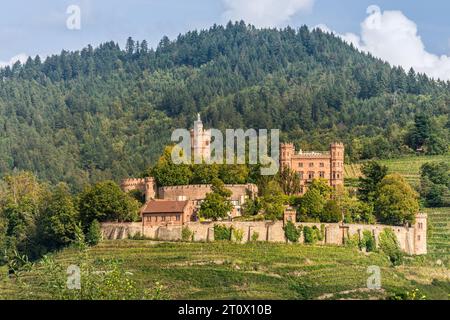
(334, 233)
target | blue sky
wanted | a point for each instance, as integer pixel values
(39, 27)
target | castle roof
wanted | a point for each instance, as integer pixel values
(165, 206)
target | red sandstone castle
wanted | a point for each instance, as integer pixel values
(177, 205)
(314, 165)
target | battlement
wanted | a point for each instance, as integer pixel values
(313, 154)
(132, 181)
(337, 144)
(421, 216)
(287, 145)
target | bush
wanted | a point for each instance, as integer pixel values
(94, 234)
(186, 234)
(255, 236)
(310, 235)
(331, 212)
(222, 233)
(238, 235)
(368, 241)
(291, 232)
(138, 236)
(353, 242)
(390, 246)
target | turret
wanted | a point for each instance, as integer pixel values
(420, 234)
(200, 141)
(337, 152)
(287, 150)
(150, 189)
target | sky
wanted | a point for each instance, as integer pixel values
(403, 32)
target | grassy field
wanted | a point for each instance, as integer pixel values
(408, 167)
(261, 271)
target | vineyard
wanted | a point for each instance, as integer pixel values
(408, 167)
(258, 271)
(439, 233)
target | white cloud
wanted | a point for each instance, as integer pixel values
(264, 13)
(20, 57)
(391, 36)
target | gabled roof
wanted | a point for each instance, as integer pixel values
(164, 206)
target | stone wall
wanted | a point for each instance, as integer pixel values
(334, 233)
(198, 192)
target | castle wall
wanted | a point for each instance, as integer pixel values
(334, 233)
(198, 192)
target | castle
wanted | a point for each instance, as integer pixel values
(309, 165)
(169, 209)
(313, 165)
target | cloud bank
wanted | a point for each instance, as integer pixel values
(264, 13)
(391, 36)
(20, 57)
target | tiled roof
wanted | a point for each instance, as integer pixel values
(156, 206)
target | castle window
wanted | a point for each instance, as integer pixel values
(178, 217)
(163, 218)
(311, 164)
(420, 225)
(310, 175)
(418, 237)
(322, 174)
(300, 175)
(300, 164)
(322, 164)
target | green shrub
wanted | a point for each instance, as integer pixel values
(138, 236)
(291, 232)
(331, 212)
(255, 236)
(352, 242)
(238, 235)
(368, 241)
(321, 232)
(222, 233)
(310, 235)
(390, 246)
(94, 234)
(415, 294)
(186, 234)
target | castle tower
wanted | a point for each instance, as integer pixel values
(420, 234)
(150, 189)
(146, 186)
(287, 150)
(200, 141)
(337, 164)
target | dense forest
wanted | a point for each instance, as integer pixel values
(107, 113)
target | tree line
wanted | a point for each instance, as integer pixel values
(105, 113)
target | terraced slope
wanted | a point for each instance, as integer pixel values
(439, 234)
(408, 167)
(258, 271)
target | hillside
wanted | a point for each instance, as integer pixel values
(439, 242)
(408, 167)
(258, 271)
(106, 112)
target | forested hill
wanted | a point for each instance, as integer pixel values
(107, 112)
